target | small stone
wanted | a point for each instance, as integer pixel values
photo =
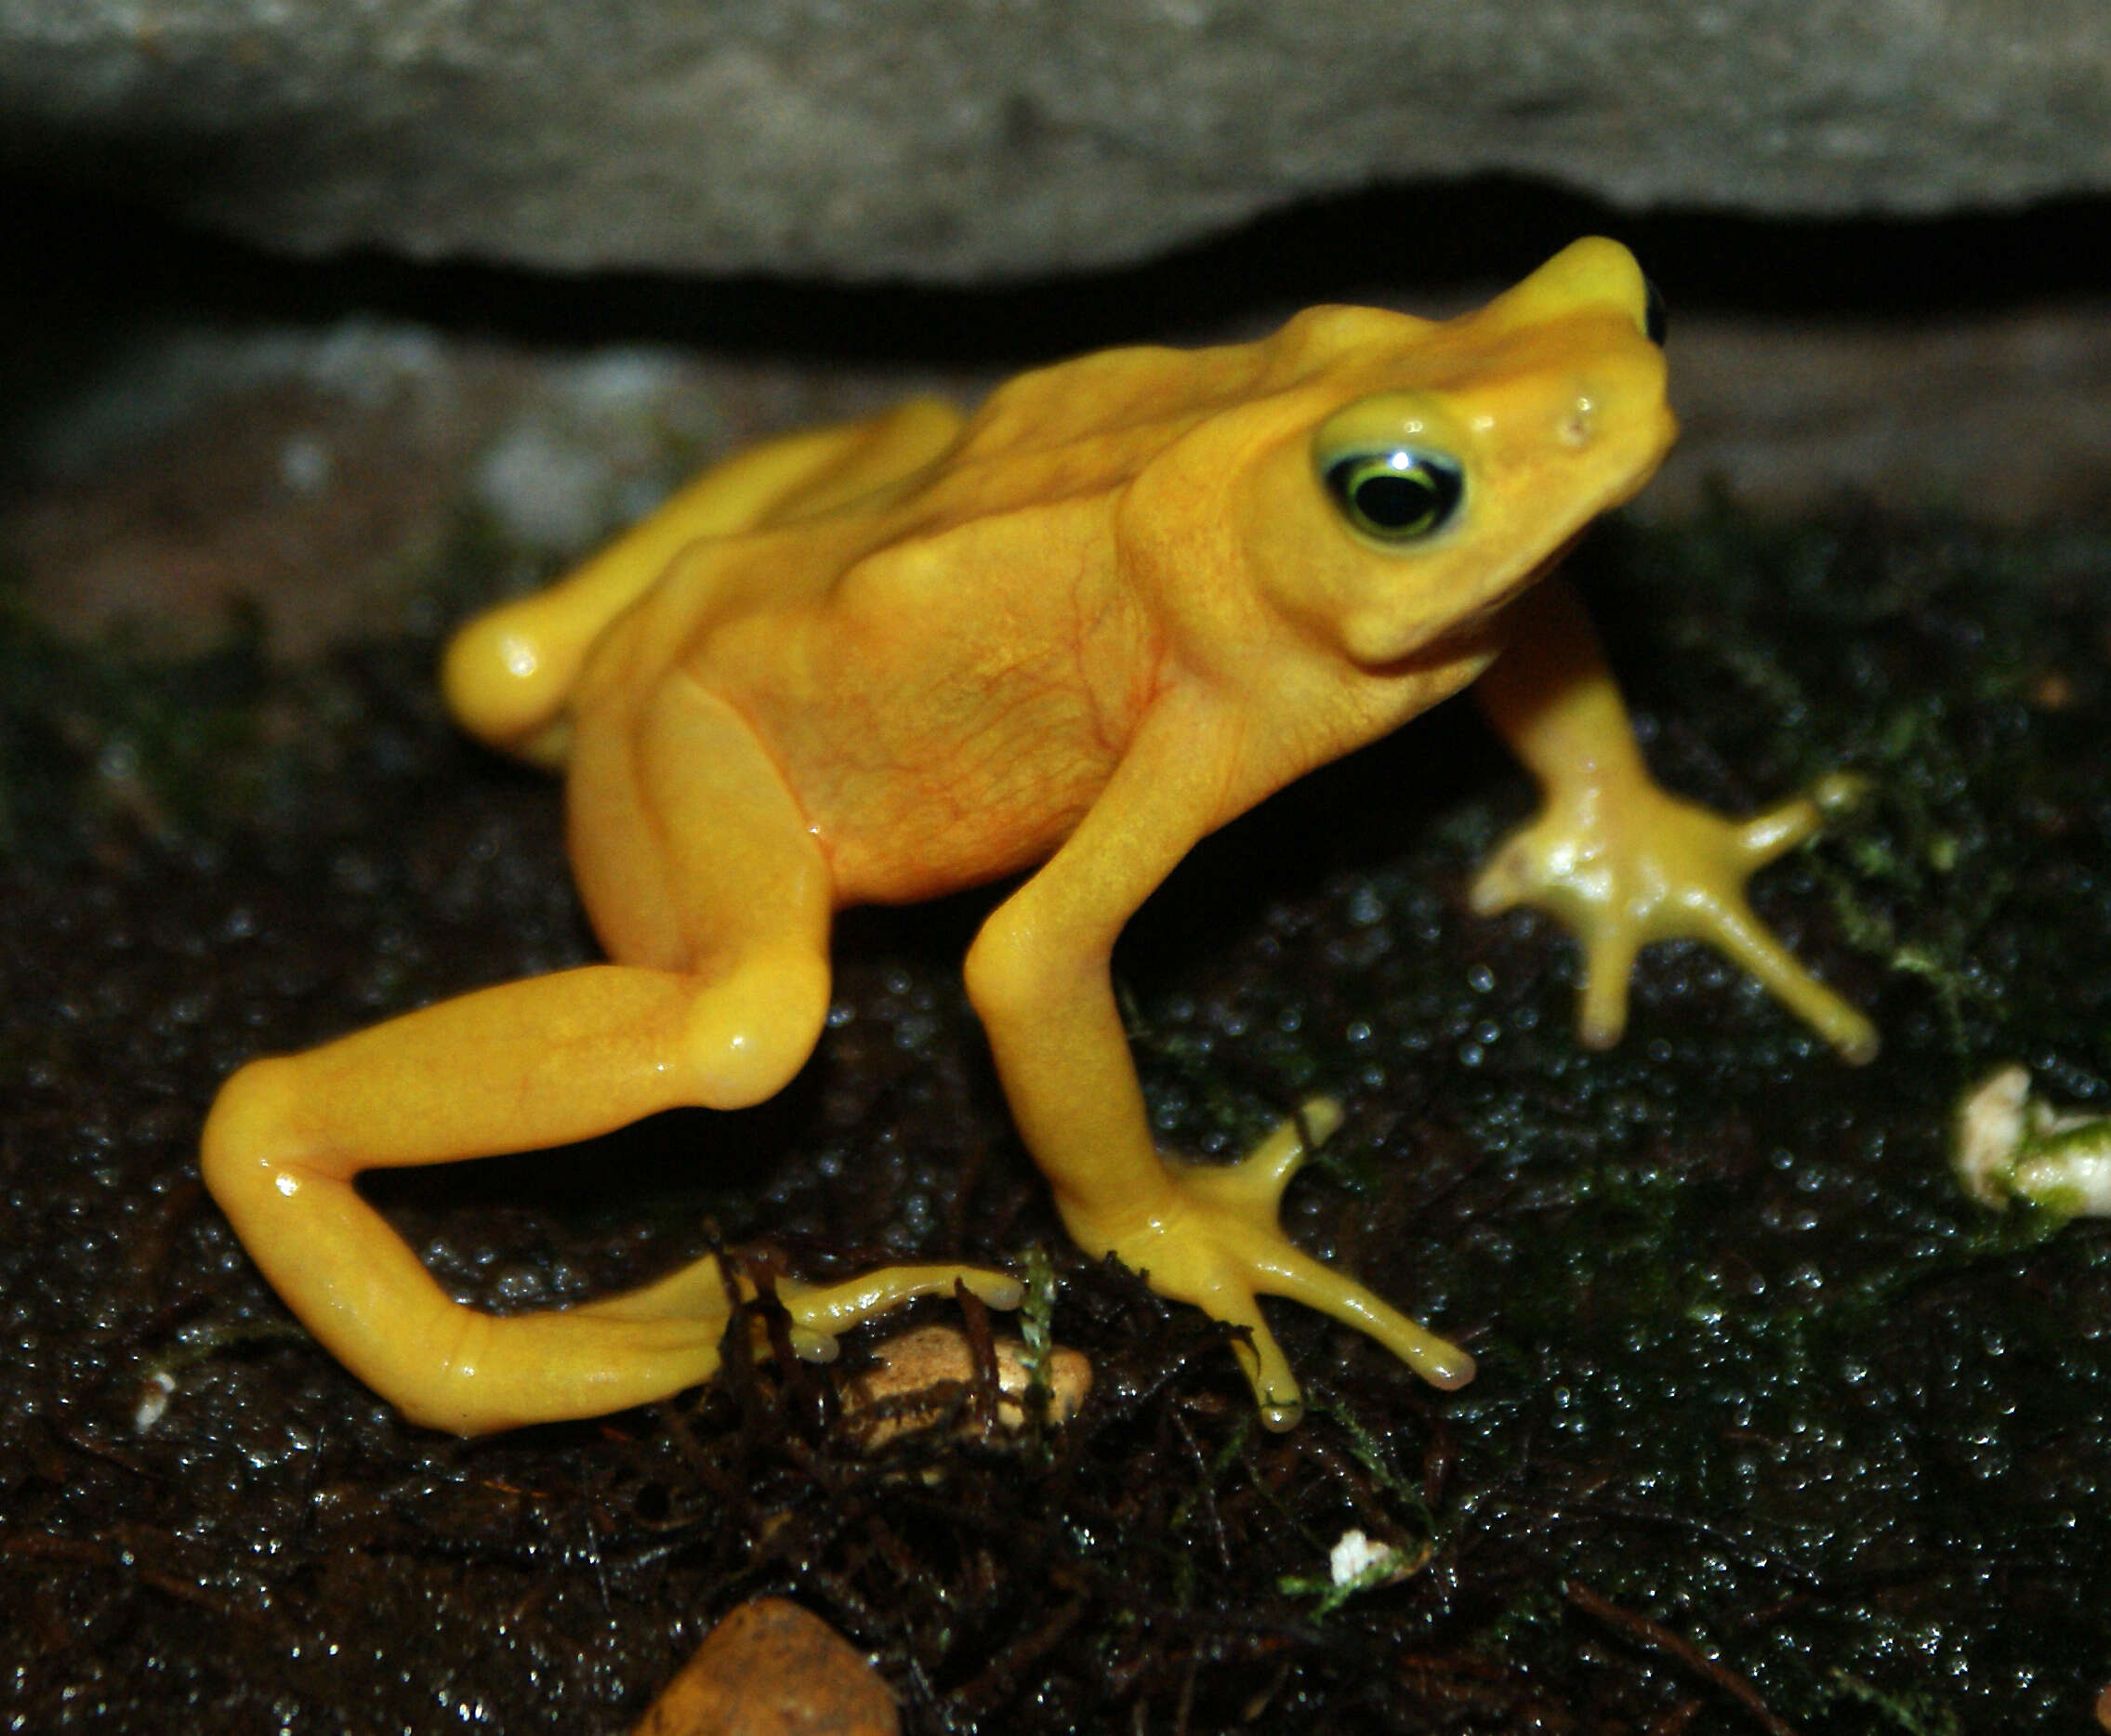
(932, 1361)
(772, 1669)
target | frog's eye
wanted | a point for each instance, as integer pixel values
(1396, 495)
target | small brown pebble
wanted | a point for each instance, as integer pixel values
(2052, 691)
(2103, 1708)
(771, 1669)
(930, 1358)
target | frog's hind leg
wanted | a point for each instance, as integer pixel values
(508, 673)
(718, 1008)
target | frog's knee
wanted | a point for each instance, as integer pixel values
(751, 1029)
(248, 1117)
(249, 1138)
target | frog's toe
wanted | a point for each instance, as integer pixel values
(701, 1292)
(1608, 965)
(1297, 1277)
(1252, 1188)
(1218, 1243)
(1261, 1359)
(1507, 879)
(820, 1311)
(1781, 828)
(1748, 942)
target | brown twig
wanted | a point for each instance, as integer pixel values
(1660, 1638)
(998, 1677)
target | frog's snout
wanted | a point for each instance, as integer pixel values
(1594, 272)
(1598, 413)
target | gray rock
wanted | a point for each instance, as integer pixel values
(965, 138)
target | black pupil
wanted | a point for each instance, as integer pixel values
(1397, 495)
(1394, 501)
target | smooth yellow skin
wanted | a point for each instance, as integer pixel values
(1081, 630)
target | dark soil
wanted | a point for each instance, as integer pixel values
(1771, 1431)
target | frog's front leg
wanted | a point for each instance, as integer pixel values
(726, 1003)
(1614, 857)
(1039, 977)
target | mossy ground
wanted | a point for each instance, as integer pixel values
(1771, 1430)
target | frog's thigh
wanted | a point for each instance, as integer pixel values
(693, 857)
(722, 1013)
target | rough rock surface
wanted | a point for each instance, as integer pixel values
(958, 139)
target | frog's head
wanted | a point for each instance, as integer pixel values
(1412, 477)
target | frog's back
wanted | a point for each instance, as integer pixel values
(1131, 402)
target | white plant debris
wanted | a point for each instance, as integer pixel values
(2006, 1145)
(1355, 1556)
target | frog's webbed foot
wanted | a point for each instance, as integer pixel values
(1217, 1245)
(701, 1292)
(1623, 866)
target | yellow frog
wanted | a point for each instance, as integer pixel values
(1125, 601)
